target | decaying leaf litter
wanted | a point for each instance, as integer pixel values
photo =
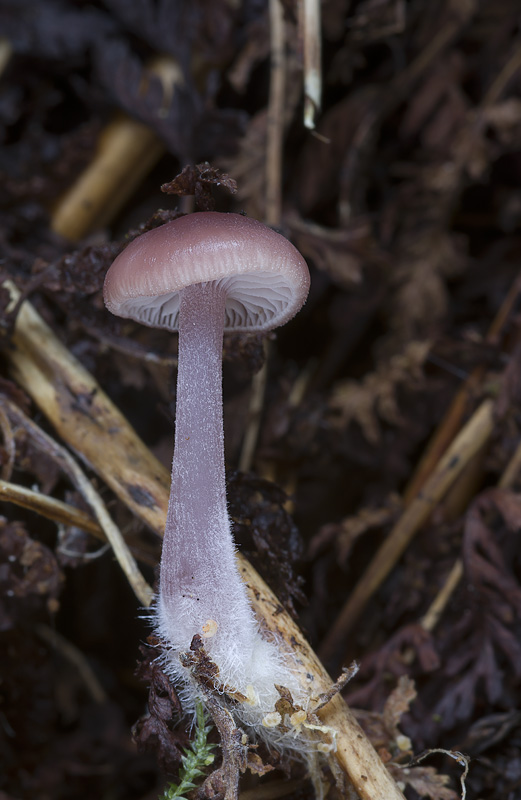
(405, 202)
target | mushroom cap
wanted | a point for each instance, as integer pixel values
(265, 278)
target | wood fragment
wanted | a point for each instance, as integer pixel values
(499, 84)
(49, 507)
(311, 30)
(6, 51)
(127, 151)
(275, 124)
(512, 470)
(9, 446)
(431, 618)
(258, 389)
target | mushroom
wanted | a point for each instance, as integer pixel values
(201, 275)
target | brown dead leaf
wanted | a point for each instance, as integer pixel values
(392, 745)
(350, 529)
(482, 654)
(256, 765)
(383, 728)
(389, 660)
(505, 121)
(433, 91)
(198, 181)
(341, 252)
(418, 302)
(153, 732)
(29, 574)
(255, 49)
(248, 166)
(486, 562)
(426, 782)
(398, 703)
(374, 398)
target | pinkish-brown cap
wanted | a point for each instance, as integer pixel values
(265, 277)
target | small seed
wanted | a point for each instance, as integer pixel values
(404, 743)
(322, 747)
(210, 628)
(298, 718)
(252, 698)
(272, 719)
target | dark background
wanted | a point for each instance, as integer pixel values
(407, 206)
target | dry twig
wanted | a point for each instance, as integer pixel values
(49, 507)
(127, 151)
(311, 30)
(6, 52)
(123, 555)
(258, 389)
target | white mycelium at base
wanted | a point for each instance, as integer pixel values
(252, 671)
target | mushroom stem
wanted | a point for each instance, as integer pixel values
(199, 580)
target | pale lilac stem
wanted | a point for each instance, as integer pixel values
(198, 561)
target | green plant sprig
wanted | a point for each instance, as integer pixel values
(198, 756)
